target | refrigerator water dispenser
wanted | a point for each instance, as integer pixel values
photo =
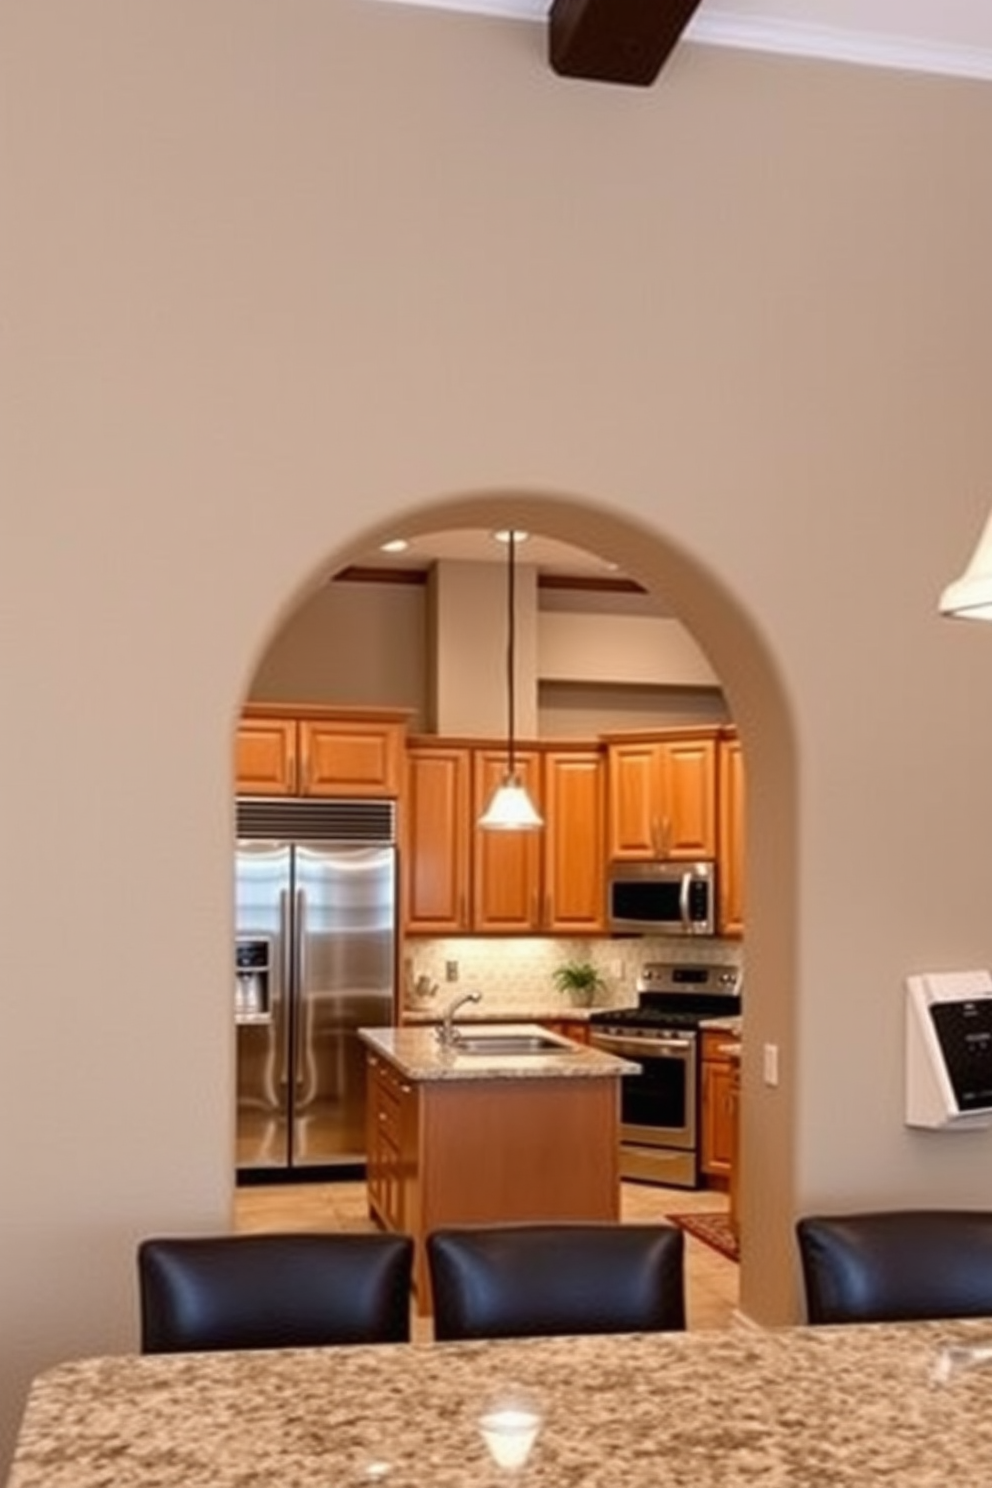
(251, 981)
(949, 1050)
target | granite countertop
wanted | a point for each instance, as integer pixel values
(732, 1026)
(735, 1408)
(419, 1055)
(433, 1013)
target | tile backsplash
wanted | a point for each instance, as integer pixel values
(514, 974)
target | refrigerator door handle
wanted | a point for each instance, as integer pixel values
(299, 983)
(286, 970)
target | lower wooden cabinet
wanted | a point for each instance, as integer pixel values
(718, 1106)
(393, 1118)
(576, 1029)
(488, 1151)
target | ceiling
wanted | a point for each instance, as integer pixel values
(941, 36)
(547, 554)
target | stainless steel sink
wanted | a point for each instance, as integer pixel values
(510, 1043)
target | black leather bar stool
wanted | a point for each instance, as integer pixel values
(530, 1280)
(274, 1291)
(896, 1266)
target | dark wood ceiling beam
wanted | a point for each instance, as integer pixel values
(615, 41)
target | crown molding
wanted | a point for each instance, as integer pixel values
(788, 38)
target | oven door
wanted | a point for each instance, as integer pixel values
(658, 1106)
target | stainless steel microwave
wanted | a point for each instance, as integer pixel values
(662, 898)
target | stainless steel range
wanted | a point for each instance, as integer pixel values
(659, 1123)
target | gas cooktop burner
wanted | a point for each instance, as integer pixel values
(678, 996)
(649, 1018)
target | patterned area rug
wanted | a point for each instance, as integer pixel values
(713, 1229)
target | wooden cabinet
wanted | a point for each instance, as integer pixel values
(350, 757)
(661, 795)
(459, 878)
(730, 836)
(574, 841)
(265, 757)
(290, 751)
(488, 1151)
(437, 840)
(718, 1105)
(576, 1029)
(733, 1211)
(392, 1122)
(506, 866)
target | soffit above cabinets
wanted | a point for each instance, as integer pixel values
(952, 37)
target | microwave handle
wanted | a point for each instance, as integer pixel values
(684, 901)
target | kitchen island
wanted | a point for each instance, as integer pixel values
(725, 1408)
(459, 1137)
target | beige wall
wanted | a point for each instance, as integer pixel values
(361, 644)
(274, 275)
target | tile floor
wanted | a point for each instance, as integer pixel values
(711, 1280)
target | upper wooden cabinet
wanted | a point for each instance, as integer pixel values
(437, 839)
(730, 819)
(574, 803)
(287, 751)
(265, 757)
(461, 878)
(506, 866)
(351, 758)
(661, 795)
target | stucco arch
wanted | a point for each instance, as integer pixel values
(706, 603)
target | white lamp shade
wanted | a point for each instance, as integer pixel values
(511, 808)
(970, 596)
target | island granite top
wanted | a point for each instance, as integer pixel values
(419, 1055)
(721, 1408)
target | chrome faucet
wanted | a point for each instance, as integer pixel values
(447, 1033)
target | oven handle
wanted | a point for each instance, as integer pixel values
(636, 1048)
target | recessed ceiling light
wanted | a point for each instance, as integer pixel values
(506, 533)
(394, 545)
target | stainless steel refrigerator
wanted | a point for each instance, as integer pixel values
(315, 959)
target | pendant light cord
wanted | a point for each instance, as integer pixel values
(510, 649)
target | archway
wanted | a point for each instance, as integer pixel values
(705, 603)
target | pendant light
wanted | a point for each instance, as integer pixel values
(970, 596)
(510, 808)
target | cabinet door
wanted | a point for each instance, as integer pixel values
(437, 841)
(687, 805)
(574, 841)
(718, 1109)
(350, 758)
(265, 761)
(633, 787)
(730, 847)
(506, 866)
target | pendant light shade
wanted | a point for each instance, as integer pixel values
(510, 808)
(970, 596)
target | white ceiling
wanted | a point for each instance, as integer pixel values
(942, 36)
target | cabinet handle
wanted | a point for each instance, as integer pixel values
(405, 1089)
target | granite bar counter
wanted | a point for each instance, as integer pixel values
(850, 1407)
(418, 1054)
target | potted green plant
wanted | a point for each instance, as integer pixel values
(580, 979)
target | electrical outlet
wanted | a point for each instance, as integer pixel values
(451, 971)
(770, 1065)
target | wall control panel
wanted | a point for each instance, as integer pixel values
(949, 1050)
